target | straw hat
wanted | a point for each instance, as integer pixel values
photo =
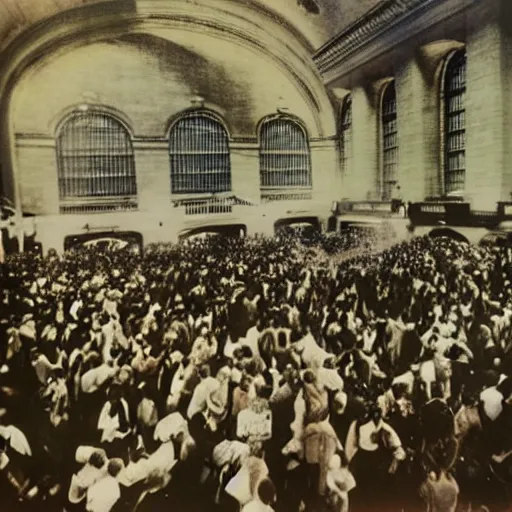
(216, 404)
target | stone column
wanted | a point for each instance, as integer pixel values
(418, 130)
(485, 133)
(362, 183)
(325, 167)
(245, 170)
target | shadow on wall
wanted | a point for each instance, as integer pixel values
(206, 78)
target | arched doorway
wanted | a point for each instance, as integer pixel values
(105, 241)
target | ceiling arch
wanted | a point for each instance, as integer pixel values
(316, 20)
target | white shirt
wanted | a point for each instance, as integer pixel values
(103, 495)
(109, 425)
(257, 506)
(170, 427)
(83, 480)
(230, 347)
(135, 472)
(313, 355)
(95, 378)
(251, 340)
(147, 413)
(330, 379)
(492, 401)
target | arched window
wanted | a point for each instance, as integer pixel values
(346, 134)
(199, 153)
(389, 141)
(454, 85)
(95, 158)
(285, 160)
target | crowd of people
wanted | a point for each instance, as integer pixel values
(257, 374)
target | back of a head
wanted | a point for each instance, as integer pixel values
(97, 460)
(309, 377)
(115, 466)
(267, 492)
(204, 371)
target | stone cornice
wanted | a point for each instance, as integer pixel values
(409, 15)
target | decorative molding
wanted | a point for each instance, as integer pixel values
(326, 142)
(398, 20)
(34, 140)
(244, 144)
(151, 144)
(374, 22)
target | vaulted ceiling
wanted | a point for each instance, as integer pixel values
(317, 20)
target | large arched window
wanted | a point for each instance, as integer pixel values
(95, 159)
(199, 153)
(389, 141)
(346, 134)
(454, 85)
(285, 160)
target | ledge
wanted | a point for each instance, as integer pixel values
(411, 16)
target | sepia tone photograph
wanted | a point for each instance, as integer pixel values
(255, 256)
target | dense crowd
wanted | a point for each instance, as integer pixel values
(257, 375)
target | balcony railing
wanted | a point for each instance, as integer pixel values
(99, 205)
(377, 208)
(458, 214)
(210, 205)
(272, 197)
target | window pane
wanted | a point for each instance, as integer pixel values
(455, 135)
(95, 158)
(199, 156)
(284, 155)
(389, 142)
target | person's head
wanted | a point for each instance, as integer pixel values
(115, 466)
(246, 352)
(309, 377)
(204, 372)
(267, 492)
(97, 459)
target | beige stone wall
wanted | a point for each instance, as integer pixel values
(148, 82)
(418, 74)
(485, 117)
(418, 122)
(506, 59)
(38, 176)
(361, 182)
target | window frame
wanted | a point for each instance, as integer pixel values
(194, 191)
(104, 146)
(448, 134)
(271, 187)
(346, 129)
(385, 120)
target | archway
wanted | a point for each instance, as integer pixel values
(105, 241)
(448, 233)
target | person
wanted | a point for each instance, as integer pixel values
(94, 470)
(313, 369)
(103, 494)
(440, 492)
(339, 483)
(265, 499)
